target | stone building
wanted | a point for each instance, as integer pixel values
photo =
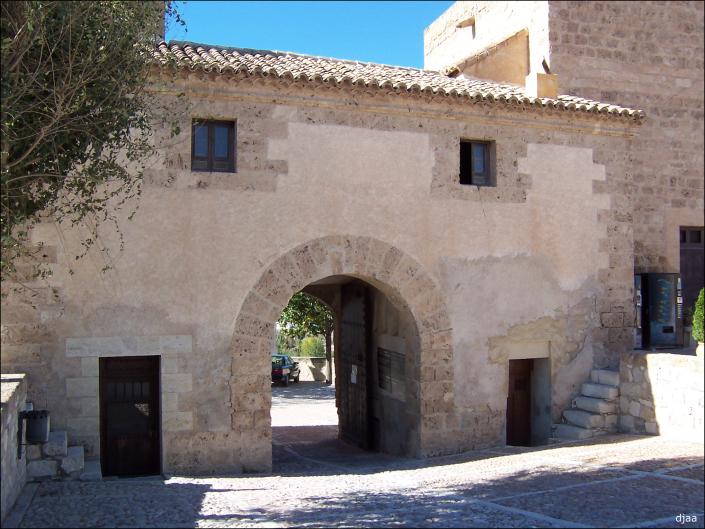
(469, 224)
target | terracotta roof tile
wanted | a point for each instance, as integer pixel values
(296, 67)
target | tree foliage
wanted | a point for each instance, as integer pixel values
(698, 315)
(305, 316)
(77, 115)
(287, 345)
(313, 346)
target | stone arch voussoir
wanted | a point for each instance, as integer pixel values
(386, 267)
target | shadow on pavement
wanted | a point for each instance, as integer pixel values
(320, 481)
(515, 492)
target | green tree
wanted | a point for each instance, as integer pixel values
(312, 346)
(77, 115)
(307, 316)
(304, 316)
(287, 344)
(698, 314)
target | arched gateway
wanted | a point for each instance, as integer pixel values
(407, 286)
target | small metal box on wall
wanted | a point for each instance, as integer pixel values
(659, 310)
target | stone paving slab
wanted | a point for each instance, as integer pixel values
(697, 473)
(649, 498)
(641, 481)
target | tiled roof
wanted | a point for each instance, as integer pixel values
(294, 67)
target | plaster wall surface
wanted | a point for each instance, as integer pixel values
(341, 184)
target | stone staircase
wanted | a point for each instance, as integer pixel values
(594, 411)
(55, 460)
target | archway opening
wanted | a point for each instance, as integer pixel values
(369, 400)
(429, 420)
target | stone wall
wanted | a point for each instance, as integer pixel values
(312, 368)
(661, 394)
(13, 393)
(359, 183)
(646, 55)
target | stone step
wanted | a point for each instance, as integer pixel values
(33, 452)
(570, 432)
(584, 419)
(594, 405)
(72, 464)
(611, 422)
(91, 471)
(42, 469)
(599, 391)
(605, 376)
(57, 446)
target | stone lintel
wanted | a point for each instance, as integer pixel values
(128, 345)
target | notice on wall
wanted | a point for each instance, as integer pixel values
(353, 374)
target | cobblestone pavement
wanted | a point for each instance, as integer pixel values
(319, 481)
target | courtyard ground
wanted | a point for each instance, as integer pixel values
(318, 481)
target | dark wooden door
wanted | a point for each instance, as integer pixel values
(692, 264)
(519, 403)
(353, 410)
(129, 416)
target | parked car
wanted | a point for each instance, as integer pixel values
(284, 369)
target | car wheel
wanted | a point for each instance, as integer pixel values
(296, 379)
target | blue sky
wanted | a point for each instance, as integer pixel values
(383, 32)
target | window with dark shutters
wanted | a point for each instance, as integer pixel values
(213, 146)
(476, 163)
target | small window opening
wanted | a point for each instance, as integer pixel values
(476, 163)
(467, 23)
(213, 146)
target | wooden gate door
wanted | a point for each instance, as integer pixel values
(353, 402)
(129, 416)
(519, 403)
(692, 264)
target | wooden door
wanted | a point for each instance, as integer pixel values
(692, 264)
(129, 416)
(519, 403)
(353, 412)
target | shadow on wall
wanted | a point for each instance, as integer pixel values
(608, 494)
(313, 368)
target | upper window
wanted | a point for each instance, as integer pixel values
(213, 146)
(476, 161)
(691, 237)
